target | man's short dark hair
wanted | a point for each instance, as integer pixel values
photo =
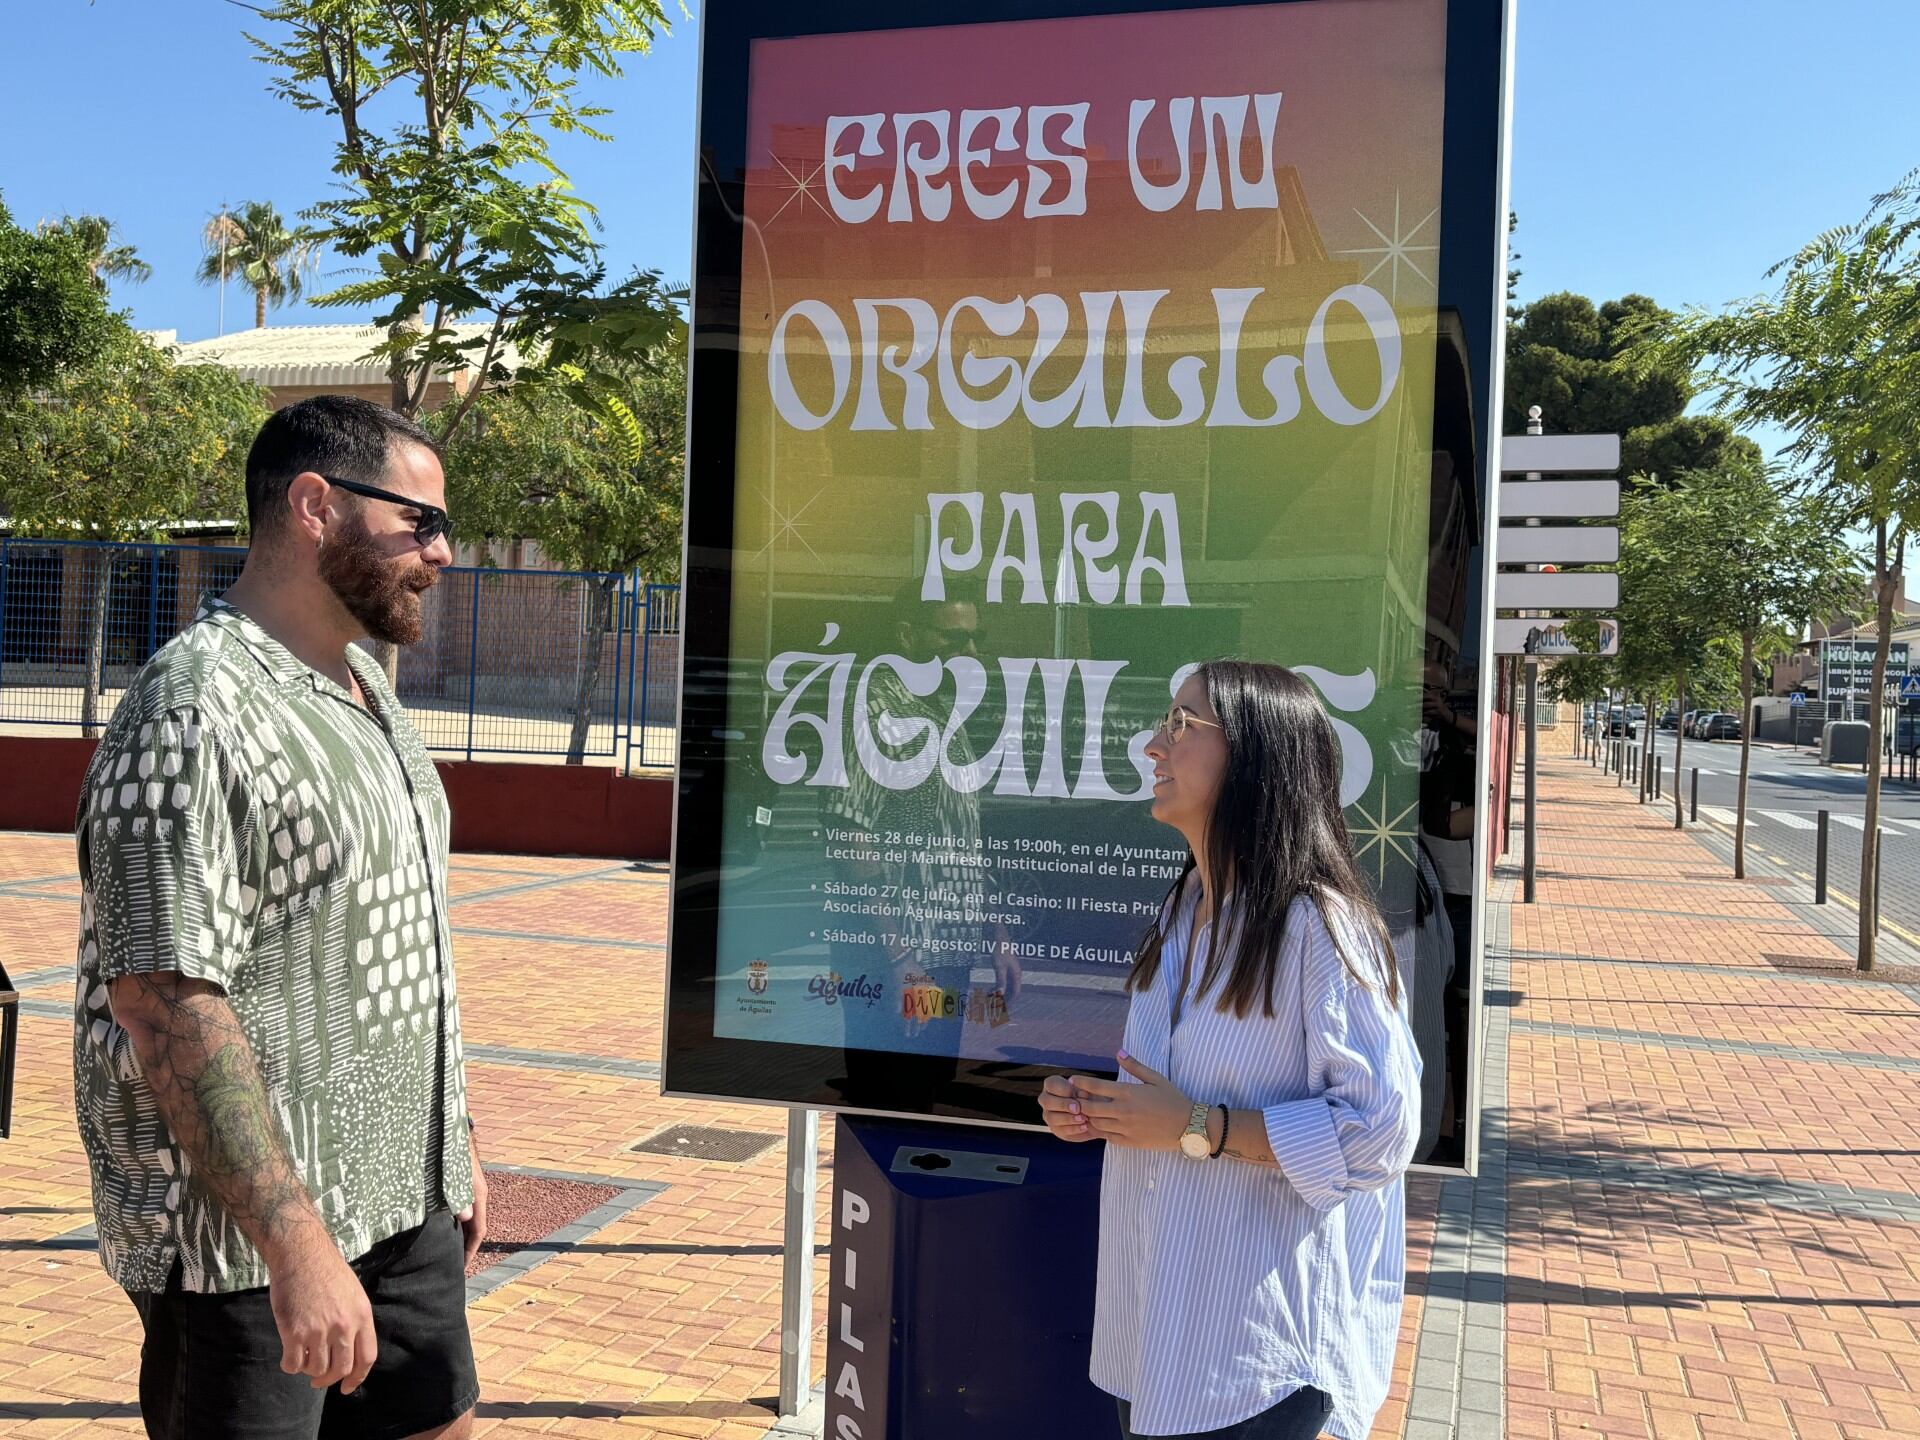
(960, 590)
(339, 435)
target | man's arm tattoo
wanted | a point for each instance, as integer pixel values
(208, 1087)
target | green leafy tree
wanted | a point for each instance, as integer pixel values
(445, 113)
(52, 315)
(1832, 357)
(536, 462)
(254, 245)
(98, 237)
(1666, 635)
(1565, 354)
(1765, 561)
(120, 450)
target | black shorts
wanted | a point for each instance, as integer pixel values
(210, 1366)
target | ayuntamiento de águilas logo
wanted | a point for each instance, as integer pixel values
(832, 989)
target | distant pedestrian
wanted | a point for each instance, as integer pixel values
(1253, 1210)
(267, 1066)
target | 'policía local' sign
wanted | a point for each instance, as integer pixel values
(1035, 362)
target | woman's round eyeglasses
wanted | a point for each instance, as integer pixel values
(1177, 720)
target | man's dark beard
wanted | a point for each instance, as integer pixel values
(381, 593)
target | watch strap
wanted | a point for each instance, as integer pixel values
(1197, 1120)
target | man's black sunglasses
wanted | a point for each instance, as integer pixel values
(433, 521)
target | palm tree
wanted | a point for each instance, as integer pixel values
(254, 244)
(105, 260)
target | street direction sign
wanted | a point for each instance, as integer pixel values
(1797, 699)
(1559, 454)
(1546, 635)
(1560, 544)
(1558, 499)
(1578, 590)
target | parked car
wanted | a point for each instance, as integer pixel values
(1722, 727)
(1669, 720)
(1686, 721)
(1697, 725)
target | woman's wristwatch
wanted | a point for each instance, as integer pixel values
(1194, 1143)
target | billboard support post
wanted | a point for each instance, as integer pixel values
(796, 1263)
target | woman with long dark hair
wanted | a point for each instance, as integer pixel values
(1253, 1210)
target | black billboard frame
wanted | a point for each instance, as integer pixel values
(697, 1063)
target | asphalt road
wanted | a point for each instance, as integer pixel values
(1785, 791)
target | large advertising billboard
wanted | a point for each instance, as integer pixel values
(1036, 361)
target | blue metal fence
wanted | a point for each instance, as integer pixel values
(655, 712)
(528, 663)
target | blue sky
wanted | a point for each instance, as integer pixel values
(1674, 147)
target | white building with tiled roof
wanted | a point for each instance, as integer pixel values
(293, 362)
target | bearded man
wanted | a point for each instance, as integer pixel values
(267, 1068)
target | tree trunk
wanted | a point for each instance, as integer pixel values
(400, 370)
(1746, 755)
(600, 599)
(96, 644)
(1884, 569)
(1679, 747)
(260, 307)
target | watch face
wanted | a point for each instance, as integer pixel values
(1194, 1147)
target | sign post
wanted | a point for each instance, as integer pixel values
(1533, 771)
(1539, 583)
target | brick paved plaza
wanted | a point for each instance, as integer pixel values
(1699, 1214)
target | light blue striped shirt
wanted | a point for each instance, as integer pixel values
(1224, 1286)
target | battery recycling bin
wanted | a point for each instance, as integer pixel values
(961, 1298)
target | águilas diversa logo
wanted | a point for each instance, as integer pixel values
(832, 988)
(757, 977)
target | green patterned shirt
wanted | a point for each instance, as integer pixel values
(245, 822)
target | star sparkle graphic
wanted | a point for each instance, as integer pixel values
(802, 188)
(786, 524)
(1396, 250)
(1383, 836)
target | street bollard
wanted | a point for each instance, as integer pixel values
(1659, 775)
(1820, 861)
(1693, 807)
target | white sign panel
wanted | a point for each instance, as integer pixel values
(1558, 499)
(1557, 544)
(1547, 636)
(1559, 454)
(1585, 590)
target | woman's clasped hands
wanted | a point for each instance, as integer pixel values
(1151, 1115)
